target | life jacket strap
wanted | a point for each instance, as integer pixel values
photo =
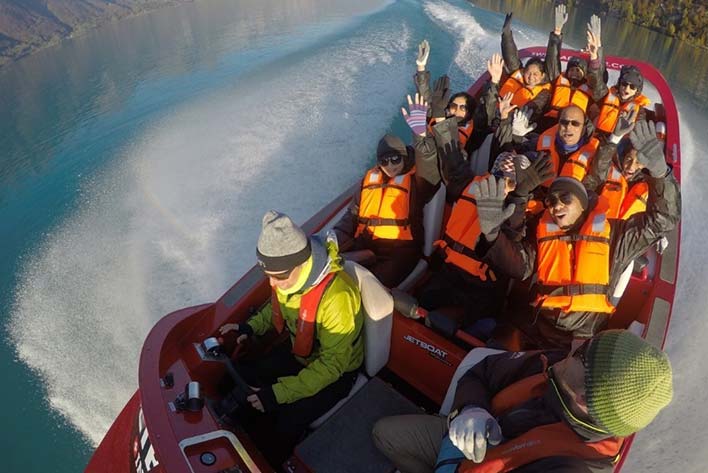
(575, 237)
(377, 222)
(572, 289)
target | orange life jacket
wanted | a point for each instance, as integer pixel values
(576, 264)
(564, 95)
(462, 232)
(306, 318)
(551, 440)
(464, 133)
(611, 108)
(384, 206)
(523, 94)
(576, 164)
(624, 201)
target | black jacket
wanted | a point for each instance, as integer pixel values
(478, 386)
(628, 239)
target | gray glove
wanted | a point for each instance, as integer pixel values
(520, 124)
(530, 177)
(490, 196)
(649, 148)
(561, 17)
(624, 125)
(595, 27)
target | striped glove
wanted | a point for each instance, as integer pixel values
(416, 119)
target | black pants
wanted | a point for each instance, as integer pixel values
(277, 433)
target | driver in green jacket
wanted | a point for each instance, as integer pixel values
(299, 381)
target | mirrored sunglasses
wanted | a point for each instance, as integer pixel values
(628, 85)
(453, 107)
(386, 160)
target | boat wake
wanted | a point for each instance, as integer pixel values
(175, 221)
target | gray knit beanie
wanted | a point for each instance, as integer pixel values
(282, 245)
(572, 185)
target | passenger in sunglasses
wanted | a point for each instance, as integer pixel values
(386, 215)
(576, 251)
(624, 96)
(320, 308)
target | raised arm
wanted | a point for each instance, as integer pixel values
(509, 51)
(555, 42)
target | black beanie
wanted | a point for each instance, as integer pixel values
(632, 75)
(572, 185)
(578, 62)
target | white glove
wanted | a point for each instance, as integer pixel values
(472, 430)
(520, 124)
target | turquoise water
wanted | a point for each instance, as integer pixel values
(137, 161)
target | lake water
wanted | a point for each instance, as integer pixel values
(137, 161)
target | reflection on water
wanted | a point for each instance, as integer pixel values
(685, 67)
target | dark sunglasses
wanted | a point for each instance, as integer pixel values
(565, 197)
(386, 160)
(581, 352)
(628, 85)
(453, 106)
(565, 122)
(279, 276)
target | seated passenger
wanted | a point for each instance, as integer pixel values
(320, 307)
(386, 214)
(569, 87)
(529, 84)
(617, 174)
(577, 253)
(624, 96)
(460, 279)
(569, 144)
(514, 413)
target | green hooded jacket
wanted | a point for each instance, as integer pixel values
(339, 342)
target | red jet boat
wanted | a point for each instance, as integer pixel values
(169, 425)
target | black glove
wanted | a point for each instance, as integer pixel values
(507, 23)
(649, 148)
(489, 195)
(440, 97)
(531, 177)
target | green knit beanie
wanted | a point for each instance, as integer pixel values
(627, 381)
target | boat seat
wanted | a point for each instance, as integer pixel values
(472, 358)
(378, 320)
(433, 213)
(479, 161)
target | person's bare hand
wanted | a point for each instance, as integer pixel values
(495, 67)
(505, 105)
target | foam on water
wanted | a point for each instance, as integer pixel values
(475, 45)
(174, 223)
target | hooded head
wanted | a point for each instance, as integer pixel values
(630, 83)
(391, 155)
(576, 69)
